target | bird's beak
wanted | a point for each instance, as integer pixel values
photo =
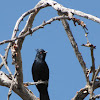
(45, 51)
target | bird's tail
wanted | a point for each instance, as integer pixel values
(44, 96)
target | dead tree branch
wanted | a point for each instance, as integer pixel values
(30, 31)
(35, 83)
(80, 95)
(33, 13)
(96, 97)
(13, 80)
(23, 91)
(93, 83)
(75, 47)
(6, 55)
(16, 44)
(70, 12)
(93, 70)
(36, 28)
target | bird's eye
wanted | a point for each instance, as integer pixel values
(40, 52)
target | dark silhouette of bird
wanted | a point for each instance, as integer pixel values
(40, 72)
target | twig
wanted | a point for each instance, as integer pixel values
(10, 89)
(5, 64)
(92, 47)
(12, 83)
(96, 97)
(35, 83)
(92, 97)
(6, 54)
(95, 76)
(35, 29)
(93, 62)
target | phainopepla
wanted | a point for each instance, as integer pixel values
(40, 72)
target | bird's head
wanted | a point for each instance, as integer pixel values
(41, 54)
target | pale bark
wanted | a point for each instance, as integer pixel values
(15, 82)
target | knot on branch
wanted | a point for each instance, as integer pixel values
(14, 50)
(1, 73)
(89, 45)
(29, 30)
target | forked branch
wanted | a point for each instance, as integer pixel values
(17, 42)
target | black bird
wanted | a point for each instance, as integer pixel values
(40, 72)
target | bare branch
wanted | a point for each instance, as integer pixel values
(89, 45)
(35, 83)
(96, 97)
(93, 62)
(6, 55)
(35, 29)
(91, 87)
(4, 80)
(10, 89)
(38, 27)
(12, 83)
(75, 47)
(95, 76)
(93, 84)
(80, 95)
(97, 71)
(16, 55)
(16, 44)
(87, 16)
(34, 11)
(5, 64)
(71, 12)
(17, 60)
(22, 91)
(40, 5)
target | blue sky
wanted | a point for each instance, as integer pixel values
(66, 74)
